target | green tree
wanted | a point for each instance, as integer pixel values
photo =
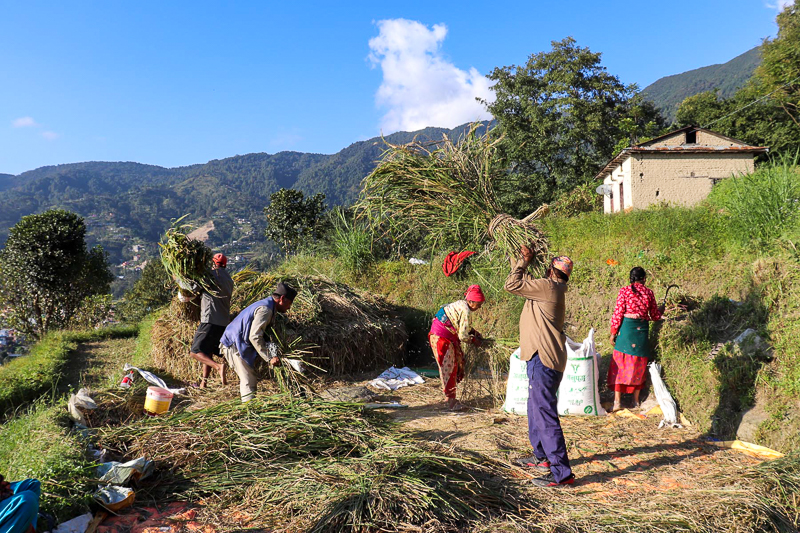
(150, 292)
(561, 115)
(46, 271)
(779, 72)
(294, 220)
(766, 111)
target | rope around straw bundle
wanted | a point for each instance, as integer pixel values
(510, 235)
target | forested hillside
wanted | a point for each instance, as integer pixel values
(126, 202)
(668, 92)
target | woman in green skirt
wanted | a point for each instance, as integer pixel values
(630, 324)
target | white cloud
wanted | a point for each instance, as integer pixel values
(779, 5)
(420, 87)
(24, 122)
(50, 135)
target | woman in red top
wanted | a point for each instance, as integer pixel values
(636, 306)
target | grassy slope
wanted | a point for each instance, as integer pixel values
(687, 247)
(27, 378)
(35, 442)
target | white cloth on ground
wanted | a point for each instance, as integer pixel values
(394, 378)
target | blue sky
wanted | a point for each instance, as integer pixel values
(176, 83)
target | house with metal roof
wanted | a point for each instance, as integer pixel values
(678, 168)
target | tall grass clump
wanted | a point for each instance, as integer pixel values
(762, 205)
(445, 193)
(352, 242)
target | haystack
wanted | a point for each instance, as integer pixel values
(351, 330)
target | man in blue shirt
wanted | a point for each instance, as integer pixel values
(244, 338)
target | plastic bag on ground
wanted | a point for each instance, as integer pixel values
(116, 473)
(665, 401)
(394, 378)
(114, 498)
(76, 525)
(579, 393)
(152, 379)
(83, 400)
(517, 386)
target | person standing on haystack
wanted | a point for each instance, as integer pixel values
(245, 337)
(636, 307)
(449, 329)
(542, 345)
(215, 315)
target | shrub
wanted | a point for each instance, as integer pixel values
(352, 242)
(581, 199)
(762, 205)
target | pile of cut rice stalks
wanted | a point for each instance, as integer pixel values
(345, 330)
(315, 466)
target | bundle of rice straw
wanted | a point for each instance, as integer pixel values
(188, 262)
(447, 192)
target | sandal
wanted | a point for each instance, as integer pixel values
(457, 407)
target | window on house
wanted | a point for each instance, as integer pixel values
(691, 137)
(621, 196)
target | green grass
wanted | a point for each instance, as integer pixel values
(36, 445)
(760, 206)
(27, 378)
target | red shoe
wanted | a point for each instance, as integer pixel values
(542, 465)
(550, 481)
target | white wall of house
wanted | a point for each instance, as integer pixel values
(620, 182)
(681, 179)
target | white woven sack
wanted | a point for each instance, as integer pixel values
(578, 393)
(517, 386)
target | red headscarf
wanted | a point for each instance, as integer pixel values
(475, 294)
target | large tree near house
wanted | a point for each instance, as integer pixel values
(562, 115)
(46, 272)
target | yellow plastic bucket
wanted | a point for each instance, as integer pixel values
(157, 401)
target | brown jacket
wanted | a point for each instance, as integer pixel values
(541, 324)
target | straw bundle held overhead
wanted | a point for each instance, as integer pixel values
(187, 261)
(314, 466)
(446, 192)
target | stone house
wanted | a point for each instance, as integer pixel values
(679, 168)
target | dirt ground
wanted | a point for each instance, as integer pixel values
(620, 460)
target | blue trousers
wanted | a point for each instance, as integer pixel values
(19, 511)
(544, 427)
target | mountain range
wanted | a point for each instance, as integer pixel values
(726, 78)
(126, 203)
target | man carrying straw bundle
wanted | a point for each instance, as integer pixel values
(244, 338)
(215, 315)
(542, 345)
(449, 328)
